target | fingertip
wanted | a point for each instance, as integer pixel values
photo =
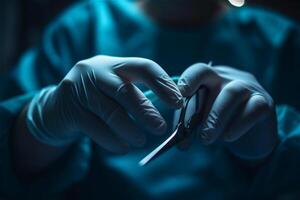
(181, 89)
(172, 93)
(176, 102)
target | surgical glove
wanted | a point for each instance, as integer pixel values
(98, 98)
(234, 109)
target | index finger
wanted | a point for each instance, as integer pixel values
(114, 77)
(197, 75)
(153, 76)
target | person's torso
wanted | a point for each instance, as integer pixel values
(237, 39)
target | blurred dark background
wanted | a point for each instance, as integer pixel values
(23, 21)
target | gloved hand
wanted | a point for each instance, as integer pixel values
(235, 110)
(98, 98)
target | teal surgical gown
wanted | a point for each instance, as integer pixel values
(254, 40)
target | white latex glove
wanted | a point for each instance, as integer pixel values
(235, 110)
(98, 98)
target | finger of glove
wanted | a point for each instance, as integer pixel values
(112, 113)
(224, 108)
(195, 76)
(123, 91)
(141, 108)
(255, 110)
(153, 76)
(99, 132)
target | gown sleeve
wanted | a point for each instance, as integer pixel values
(61, 47)
(286, 81)
(279, 177)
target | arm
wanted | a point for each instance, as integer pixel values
(60, 48)
(279, 176)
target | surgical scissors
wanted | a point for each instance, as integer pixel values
(183, 130)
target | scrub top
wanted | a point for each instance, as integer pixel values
(250, 39)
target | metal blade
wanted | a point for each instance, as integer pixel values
(166, 145)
